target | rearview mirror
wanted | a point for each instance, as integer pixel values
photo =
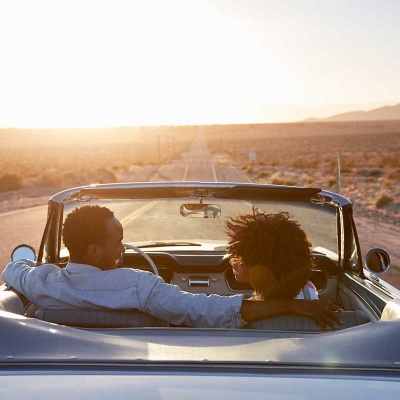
(200, 210)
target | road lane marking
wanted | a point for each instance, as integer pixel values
(157, 173)
(186, 172)
(23, 210)
(214, 173)
(124, 221)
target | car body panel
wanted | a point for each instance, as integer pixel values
(40, 359)
(183, 384)
(197, 345)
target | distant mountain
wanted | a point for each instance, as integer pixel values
(377, 114)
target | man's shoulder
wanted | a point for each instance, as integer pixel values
(31, 265)
(26, 271)
(135, 274)
(132, 272)
(47, 267)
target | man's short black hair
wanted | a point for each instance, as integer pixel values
(85, 226)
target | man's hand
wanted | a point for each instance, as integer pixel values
(323, 312)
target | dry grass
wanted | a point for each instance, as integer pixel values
(294, 154)
(305, 154)
(68, 157)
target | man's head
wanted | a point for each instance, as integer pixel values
(93, 236)
(271, 252)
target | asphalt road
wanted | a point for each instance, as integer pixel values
(26, 226)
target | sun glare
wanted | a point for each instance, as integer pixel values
(102, 63)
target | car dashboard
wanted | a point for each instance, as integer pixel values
(211, 273)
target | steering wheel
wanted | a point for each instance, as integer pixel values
(143, 254)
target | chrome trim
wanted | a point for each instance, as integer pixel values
(199, 282)
(200, 189)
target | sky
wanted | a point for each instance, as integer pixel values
(177, 62)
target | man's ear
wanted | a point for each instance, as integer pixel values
(93, 251)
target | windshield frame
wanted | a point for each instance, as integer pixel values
(80, 198)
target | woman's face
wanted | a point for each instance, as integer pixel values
(240, 270)
(258, 275)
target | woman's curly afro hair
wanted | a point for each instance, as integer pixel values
(276, 242)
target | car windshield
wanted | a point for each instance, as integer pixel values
(159, 221)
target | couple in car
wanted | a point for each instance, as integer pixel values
(270, 251)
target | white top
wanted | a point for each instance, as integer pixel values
(312, 292)
(85, 286)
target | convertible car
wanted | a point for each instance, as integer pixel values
(176, 230)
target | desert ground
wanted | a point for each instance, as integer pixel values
(306, 154)
(35, 164)
(62, 158)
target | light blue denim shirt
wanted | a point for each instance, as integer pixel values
(85, 286)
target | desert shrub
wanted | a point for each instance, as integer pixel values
(383, 200)
(262, 174)
(288, 182)
(390, 161)
(331, 181)
(71, 176)
(306, 163)
(10, 182)
(388, 182)
(106, 176)
(331, 163)
(395, 176)
(376, 173)
(50, 179)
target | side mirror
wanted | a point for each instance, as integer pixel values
(200, 210)
(24, 251)
(377, 261)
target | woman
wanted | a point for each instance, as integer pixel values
(273, 253)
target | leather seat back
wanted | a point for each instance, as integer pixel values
(11, 302)
(300, 323)
(98, 318)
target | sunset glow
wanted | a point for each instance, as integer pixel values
(113, 63)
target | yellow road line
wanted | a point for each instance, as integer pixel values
(186, 172)
(127, 219)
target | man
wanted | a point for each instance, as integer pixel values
(273, 253)
(92, 280)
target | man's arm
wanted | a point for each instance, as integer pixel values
(323, 312)
(16, 274)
